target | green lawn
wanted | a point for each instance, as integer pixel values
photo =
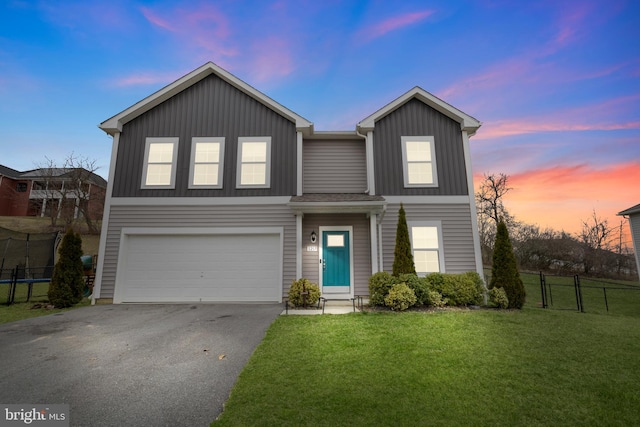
(464, 367)
(24, 310)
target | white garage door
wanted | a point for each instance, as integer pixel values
(200, 268)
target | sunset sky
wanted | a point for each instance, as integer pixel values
(556, 84)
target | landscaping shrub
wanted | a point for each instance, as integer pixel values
(402, 256)
(459, 289)
(379, 286)
(400, 297)
(504, 272)
(419, 285)
(498, 298)
(296, 293)
(67, 281)
(435, 299)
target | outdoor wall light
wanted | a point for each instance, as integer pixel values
(314, 237)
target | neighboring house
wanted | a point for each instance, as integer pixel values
(46, 191)
(633, 213)
(218, 193)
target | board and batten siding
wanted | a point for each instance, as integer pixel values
(416, 118)
(198, 216)
(361, 247)
(211, 107)
(457, 234)
(336, 166)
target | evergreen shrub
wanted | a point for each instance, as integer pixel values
(402, 255)
(400, 297)
(504, 272)
(67, 282)
(296, 293)
(419, 285)
(379, 285)
(498, 298)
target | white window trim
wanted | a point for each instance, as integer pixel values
(438, 225)
(174, 160)
(267, 180)
(192, 163)
(405, 169)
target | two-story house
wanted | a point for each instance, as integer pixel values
(218, 193)
(62, 192)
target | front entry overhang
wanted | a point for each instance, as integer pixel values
(338, 203)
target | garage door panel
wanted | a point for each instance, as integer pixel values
(224, 268)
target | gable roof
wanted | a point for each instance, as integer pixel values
(632, 210)
(50, 173)
(7, 171)
(114, 124)
(467, 122)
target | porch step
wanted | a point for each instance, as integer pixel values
(337, 306)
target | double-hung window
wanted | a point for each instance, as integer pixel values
(419, 161)
(426, 242)
(160, 156)
(207, 162)
(254, 162)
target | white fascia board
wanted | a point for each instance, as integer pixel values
(427, 200)
(467, 122)
(114, 124)
(199, 201)
(369, 208)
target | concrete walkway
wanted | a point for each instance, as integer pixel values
(330, 307)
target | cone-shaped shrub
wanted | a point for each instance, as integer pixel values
(402, 256)
(67, 282)
(504, 272)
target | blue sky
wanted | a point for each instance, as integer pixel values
(556, 84)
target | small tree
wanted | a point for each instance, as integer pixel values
(504, 272)
(402, 256)
(67, 283)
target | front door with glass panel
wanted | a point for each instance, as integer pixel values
(335, 262)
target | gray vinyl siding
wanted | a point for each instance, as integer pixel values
(361, 247)
(415, 118)
(198, 216)
(634, 221)
(213, 108)
(337, 166)
(457, 233)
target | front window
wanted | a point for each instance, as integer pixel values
(254, 162)
(427, 251)
(419, 163)
(207, 156)
(160, 163)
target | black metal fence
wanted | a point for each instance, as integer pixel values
(589, 295)
(24, 283)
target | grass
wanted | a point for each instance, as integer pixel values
(622, 297)
(532, 367)
(24, 310)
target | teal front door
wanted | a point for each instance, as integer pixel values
(336, 262)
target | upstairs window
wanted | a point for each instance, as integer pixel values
(426, 241)
(21, 187)
(207, 158)
(254, 162)
(419, 162)
(160, 156)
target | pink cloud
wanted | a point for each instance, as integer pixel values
(561, 196)
(148, 78)
(203, 26)
(393, 23)
(606, 115)
(272, 58)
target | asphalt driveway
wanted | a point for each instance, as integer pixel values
(132, 365)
